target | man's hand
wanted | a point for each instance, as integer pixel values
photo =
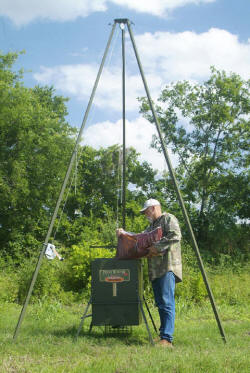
(152, 252)
(119, 231)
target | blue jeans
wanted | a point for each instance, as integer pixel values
(164, 288)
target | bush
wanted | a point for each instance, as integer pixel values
(47, 283)
(65, 282)
(8, 287)
(77, 274)
(192, 289)
(69, 281)
(230, 286)
(19, 248)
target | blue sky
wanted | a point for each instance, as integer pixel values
(176, 39)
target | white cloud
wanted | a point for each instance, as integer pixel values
(157, 7)
(188, 55)
(78, 80)
(22, 12)
(72, 79)
(165, 57)
(138, 135)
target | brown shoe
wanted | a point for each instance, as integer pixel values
(157, 339)
(165, 343)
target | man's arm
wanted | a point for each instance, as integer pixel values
(152, 252)
(172, 234)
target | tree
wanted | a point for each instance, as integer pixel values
(35, 145)
(94, 204)
(207, 126)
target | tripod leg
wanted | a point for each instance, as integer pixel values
(83, 318)
(22, 314)
(150, 315)
(177, 190)
(145, 320)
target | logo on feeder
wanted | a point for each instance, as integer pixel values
(114, 276)
(114, 279)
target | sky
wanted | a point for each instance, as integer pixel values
(64, 42)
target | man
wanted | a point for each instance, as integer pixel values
(164, 266)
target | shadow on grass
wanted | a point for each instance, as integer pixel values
(98, 333)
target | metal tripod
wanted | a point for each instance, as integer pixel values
(123, 22)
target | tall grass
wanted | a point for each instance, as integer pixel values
(46, 343)
(46, 339)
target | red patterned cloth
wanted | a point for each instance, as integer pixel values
(134, 246)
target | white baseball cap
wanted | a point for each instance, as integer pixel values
(150, 202)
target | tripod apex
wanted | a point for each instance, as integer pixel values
(122, 20)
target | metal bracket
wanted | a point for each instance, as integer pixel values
(126, 21)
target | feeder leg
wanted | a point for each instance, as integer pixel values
(82, 319)
(150, 315)
(90, 327)
(145, 320)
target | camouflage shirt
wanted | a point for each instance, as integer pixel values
(169, 248)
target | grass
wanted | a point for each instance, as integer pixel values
(46, 342)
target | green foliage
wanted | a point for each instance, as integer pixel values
(21, 248)
(47, 285)
(86, 228)
(230, 284)
(226, 278)
(48, 311)
(8, 287)
(77, 275)
(36, 143)
(207, 127)
(70, 281)
(98, 181)
(192, 289)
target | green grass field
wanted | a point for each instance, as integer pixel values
(46, 342)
